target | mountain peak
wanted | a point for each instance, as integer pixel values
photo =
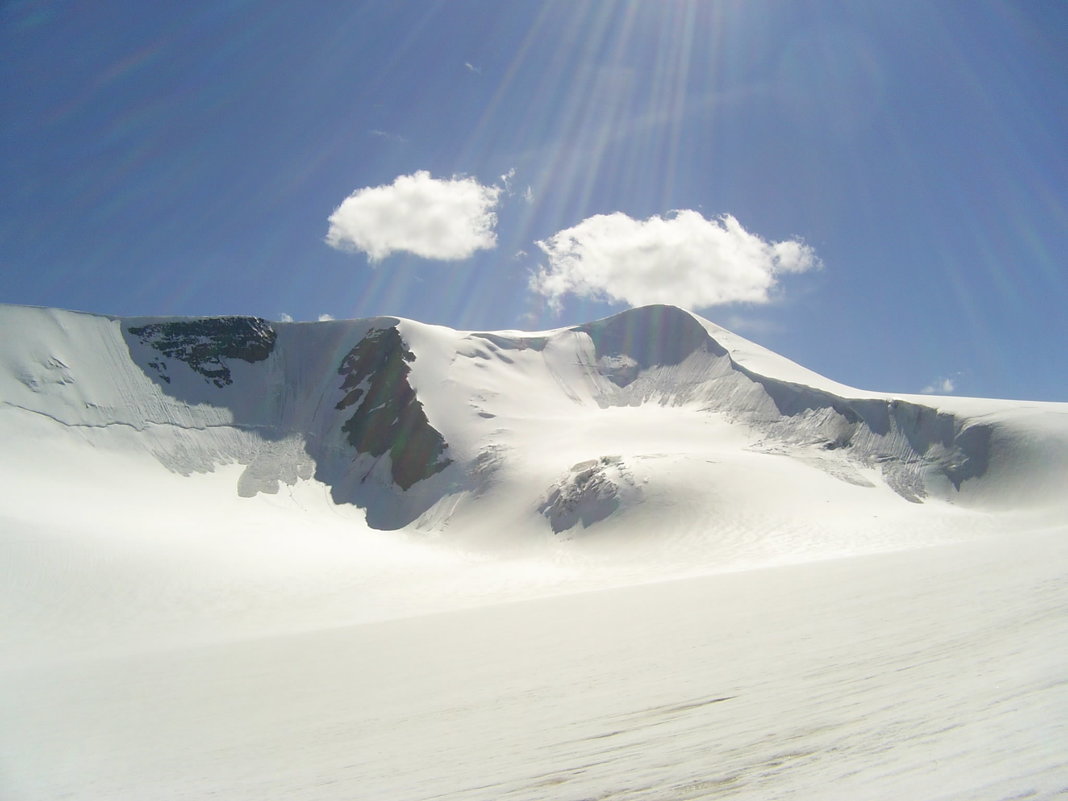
(645, 337)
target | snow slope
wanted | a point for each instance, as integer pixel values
(637, 558)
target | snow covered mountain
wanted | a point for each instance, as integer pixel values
(651, 411)
(376, 558)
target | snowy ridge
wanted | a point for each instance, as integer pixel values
(415, 423)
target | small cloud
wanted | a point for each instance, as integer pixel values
(941, 386)
(325, 318)
(528, 194)
(444, 219)
(472, 68)
(286, 318)
(682, 259)
(506, 181)
(392, 137)
(520, 254)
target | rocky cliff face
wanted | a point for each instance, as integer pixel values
(286, 419)
(388, 417)
(206, 345)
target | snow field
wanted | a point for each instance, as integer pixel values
(925, 674)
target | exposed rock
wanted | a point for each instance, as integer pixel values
(389, 417)
(590, 492)
(204, 344)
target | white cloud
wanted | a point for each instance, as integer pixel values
(446, 219)
(286, 317)
(325, 318)
(941, 386)
(392, 137)
(528, 194)
(682, 259)
(472, 68)
(506, 181)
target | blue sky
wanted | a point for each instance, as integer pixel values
(877, 190)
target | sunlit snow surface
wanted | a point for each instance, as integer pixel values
(747, 618)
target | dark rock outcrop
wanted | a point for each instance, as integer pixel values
(205, 344)
(589, 493)
(388, 415)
